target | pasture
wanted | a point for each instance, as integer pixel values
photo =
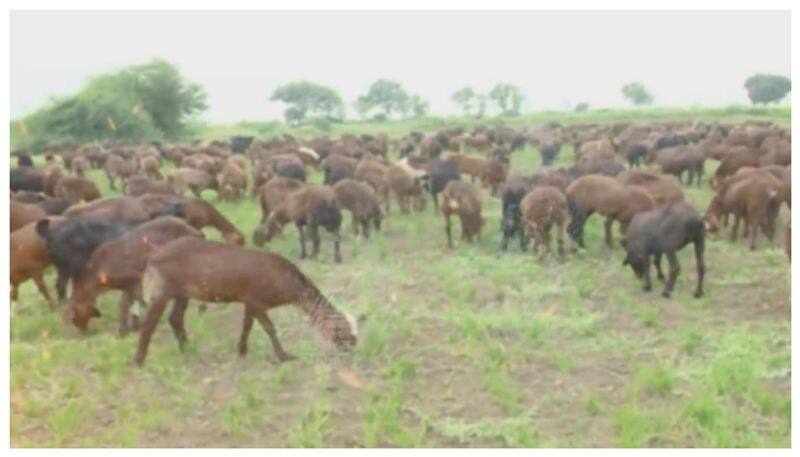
(469, 347)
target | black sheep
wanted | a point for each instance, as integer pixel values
(665, 230)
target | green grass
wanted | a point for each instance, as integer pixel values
(463, 347)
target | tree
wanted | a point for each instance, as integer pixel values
(581, 107)
(145, 102)
(465, 98)
(308, 99)
(388, 96)
(767, 88)
(419, 106)
(508, 98)
(637, 94)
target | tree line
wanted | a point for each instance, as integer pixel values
(153, 101)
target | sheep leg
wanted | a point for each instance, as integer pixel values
(125, 302)
(607, 226)
(314, 240)
(14, 292)
(302, 233)
(39, 280)
(524, 238)
(337, 255)
(544, 232)
(176, 321)
(447, 230)
(648, 285)
(674, 269)
(735, 227)
(247, 325)
(149, 326)
(560, 241)
(111, 183)
(657, 264)
(753, 233)
(355, 225)
(269, 327)
(699, 247)
(61, 284)
(365, 228)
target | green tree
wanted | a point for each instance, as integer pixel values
(508, 98)
(581, 107)
(141, 102)
(767, 88)
(637, 94)
(465, 98)
(388, 96)
(419, 106)
(308, 99)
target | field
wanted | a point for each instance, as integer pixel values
(467, 347)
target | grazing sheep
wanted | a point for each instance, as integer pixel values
(665, 231)
(607, 196)
(405, 187)
(152, 167)
(192, 268)
(542, 208)
(232, 182)
(338, 166)
(362, 202)
(21, 214)
(754, 199)
(139, 185)
(310, 206)
(192, 179)
(461, 198)
(271, 196)
(28, 259)
(118, 265)
(76, 189)
(117, 166)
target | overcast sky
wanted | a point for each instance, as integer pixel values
(557, 58)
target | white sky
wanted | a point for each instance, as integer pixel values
(557, 58)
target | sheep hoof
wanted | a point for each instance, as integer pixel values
(286, 357)
(665, 294)
(698, 294)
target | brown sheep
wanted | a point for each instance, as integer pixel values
(118, 265)
(373, 173)
(29, 259)
(139, 185)
(271, 196)
(24, 213)
(362, 202)
(198, 213)
(117, 166)
(311, 206)
(663, 188)
(152, 167)
(462, 199)
(197, 181)
(755, 199)
(542, 208)
(76, 189)
(406, 189)
(191, 268)
(607, 196)
(338, 166)
(79, 165)
(736, 159)
(232, 182)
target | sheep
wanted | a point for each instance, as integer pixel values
(543, 207)
(192, 268)
(607, 196)
(76, 189)
(29, 259)
(405, 187)
(362, 202)
(232, 182)
(271, 196)
(151, 167)
(191, 179)
(117, 166)
(311, 206)
(336, 167)
(462, 199)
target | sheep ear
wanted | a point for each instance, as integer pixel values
(43, 228)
